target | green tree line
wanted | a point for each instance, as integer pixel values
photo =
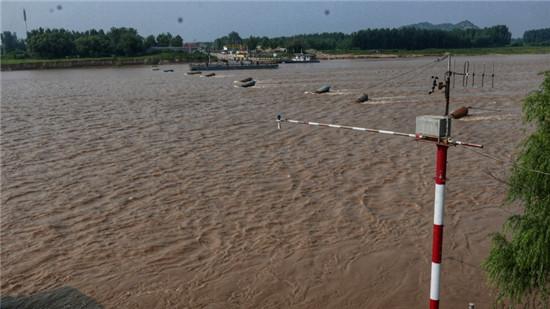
(58, 43)
(319, 41)
(55, 43)
(413, 38)
(537, 37)
(10, 42)
(385, 38)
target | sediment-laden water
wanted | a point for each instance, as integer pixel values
(133, 188)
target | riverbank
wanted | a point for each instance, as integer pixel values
(10, 64)
(42, 64)
(365, 54)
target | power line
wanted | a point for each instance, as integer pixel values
(509, 163)
(394, 77)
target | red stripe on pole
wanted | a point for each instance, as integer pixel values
(434, 304)
(440, 163)
(437, 243)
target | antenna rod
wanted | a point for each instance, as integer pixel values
(448, 85)
(474, 76)
(454, 75)
(483, 76)
(493, 77)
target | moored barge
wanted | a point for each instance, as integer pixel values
(232, 66)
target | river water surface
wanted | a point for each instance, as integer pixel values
(145, 189)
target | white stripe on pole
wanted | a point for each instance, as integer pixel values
(438, 203)
(434, 286)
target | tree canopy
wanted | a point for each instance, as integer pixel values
(537, 36)
(10, 42)
(51, 43)
(413, 38)
(163, 39)
(176, 41)
(519, 261)
(57, 43)
(232, 39)
(384, 38)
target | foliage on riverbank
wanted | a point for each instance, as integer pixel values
(58, 43)
(381, 38)
(519, 262)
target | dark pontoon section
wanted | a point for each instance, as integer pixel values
(248, 84)
(325, 88)
(363, 98)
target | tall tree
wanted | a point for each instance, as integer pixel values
(51, 43)
(234, 38)
(176, 41)
(252, 42)
(9, 41)
(163, 39)
(125, 41)
(519, 261)
(92, 46)
(149, 42)
(538, 36)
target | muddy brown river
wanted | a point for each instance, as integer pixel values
(132, 188)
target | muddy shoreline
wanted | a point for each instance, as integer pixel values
(68, 64)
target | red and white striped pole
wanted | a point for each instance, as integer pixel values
(440, 176)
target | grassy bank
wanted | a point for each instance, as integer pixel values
(509, 50)
(11, 63)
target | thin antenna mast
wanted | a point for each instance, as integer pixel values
(448, 85)
(474, 76)
(493, 77)
(483, 76)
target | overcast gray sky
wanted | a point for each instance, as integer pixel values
(207, 20)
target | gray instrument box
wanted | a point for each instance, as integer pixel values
(433, 126)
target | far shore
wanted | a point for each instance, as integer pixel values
(37, 64)
(42, 64)
(381, 54)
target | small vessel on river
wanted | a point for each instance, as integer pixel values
(302, 58)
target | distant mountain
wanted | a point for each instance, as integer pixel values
(463, 25)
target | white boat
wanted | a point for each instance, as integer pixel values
(302, 58)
